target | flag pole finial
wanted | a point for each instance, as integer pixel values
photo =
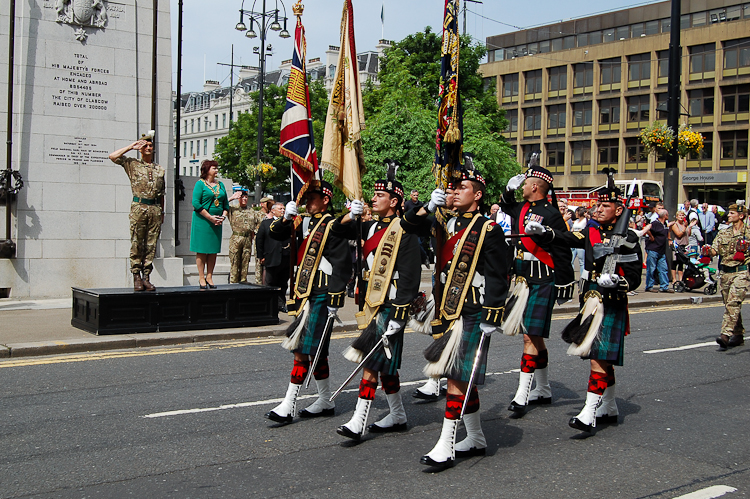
(298, 9)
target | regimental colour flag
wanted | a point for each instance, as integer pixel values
(449, 136)
(297, 142)
(342, 146)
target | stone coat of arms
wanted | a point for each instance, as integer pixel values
(82, 13)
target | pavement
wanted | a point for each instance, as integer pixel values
(42, 326)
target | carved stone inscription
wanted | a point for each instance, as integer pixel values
(75, 151)
(80, 83)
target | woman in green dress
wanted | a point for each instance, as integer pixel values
(210, 207)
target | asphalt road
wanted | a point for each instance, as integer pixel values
(188, 422)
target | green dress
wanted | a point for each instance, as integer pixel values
(204, 236)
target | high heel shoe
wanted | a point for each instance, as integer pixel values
(202, 286)
(210, 285)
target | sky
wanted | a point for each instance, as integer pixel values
(209, 33)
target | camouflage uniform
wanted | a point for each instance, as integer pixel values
(734, 279)
(244, 222)
(147, 184)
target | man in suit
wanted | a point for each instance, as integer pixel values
(273, 255)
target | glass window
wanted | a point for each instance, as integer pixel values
(510, 85)
(652, 27)
(199, 124)
(639, 67)
(699, 19)
(634, 153)
(734, 147)
(582, 114)
(701, 102)
(556, 117)
(736, 99)
(638, 108)
(583, 39)
(544, 46)
(198, 146)
(608, 151)
(191, 147)
(556, 157)
(595, 37)
(737, 53)
(512, 117)
(558, 78)
(569, 42)
(609, 111)
(581, 153)
(611, 69)
(184, 149)
(556, 44)
(192, 126)
(702, 59)
(223, 120)
(205, 146)
(216, 122)
(663, 63)
(746, 9)
(734, 12)
(609, 35)
(583, 75)
(666, 25)
(685, 21)
(637, 30)
(533, 119)
(662, 101)
(533, 81)
(533, 48)
(622, 33)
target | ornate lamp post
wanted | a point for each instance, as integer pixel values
(262, 19)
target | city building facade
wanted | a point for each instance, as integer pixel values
(580, 91)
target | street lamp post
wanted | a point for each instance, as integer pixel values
(262, 19)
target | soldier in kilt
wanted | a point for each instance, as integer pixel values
(319, 291)
(544, 274)
(732, 245)
(475, 272)
(393, 272)
(598, 332)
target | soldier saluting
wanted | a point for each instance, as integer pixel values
(147, 208)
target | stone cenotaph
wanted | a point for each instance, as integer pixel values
(82, 89)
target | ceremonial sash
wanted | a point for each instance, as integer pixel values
(372, 243)
(462, 269)
(448, 248)
(313, 252)
(530, 245)
(382, 270)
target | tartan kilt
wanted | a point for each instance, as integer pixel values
(468, 351)
(609, 345)
(379, 362)
(314, 325)
(537, 318)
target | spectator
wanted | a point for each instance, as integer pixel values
(707, 219)
(493, 211)
(273, 255)
(679, 229)
(210, 208)
(656, 259)
(413, 201)
(562, 205)
(580, 224)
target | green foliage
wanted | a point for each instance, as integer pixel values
(238, 149)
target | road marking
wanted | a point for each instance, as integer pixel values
(686, 347)
(241, 405)
(709, 493)
(221, 345)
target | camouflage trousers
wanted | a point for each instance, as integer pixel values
(258, 272)
(240, 250)
(145, 227)
(733, 290)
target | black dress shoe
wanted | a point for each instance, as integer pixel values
(346, 432)
(736, 340)
(723, 341)
(519, 409)
(428, 461)
(373, 428)
(474, 451)
(579, 425)
(606, 419)
(304, 413)
(540, 401)
(279, 419)
(425, 396)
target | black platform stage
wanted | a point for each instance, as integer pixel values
(122, 311)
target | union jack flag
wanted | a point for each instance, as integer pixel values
(297, 142)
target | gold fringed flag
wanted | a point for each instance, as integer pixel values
(342, 147)
(449, 136)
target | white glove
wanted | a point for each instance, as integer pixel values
(487, 329)
(393, 328)
(437, 198)
(608, 280)
(290, 211)
(356, 208)
(516, 182)
(534, 228)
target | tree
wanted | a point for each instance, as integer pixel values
(401, 117)
(236, 152)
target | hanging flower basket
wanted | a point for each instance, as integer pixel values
(689, 142)
(263, 171)
(656, 138)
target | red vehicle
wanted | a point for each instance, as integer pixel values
(646, 191)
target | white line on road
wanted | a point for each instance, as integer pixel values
(686, 347)
(277, 401)
(709, 493)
